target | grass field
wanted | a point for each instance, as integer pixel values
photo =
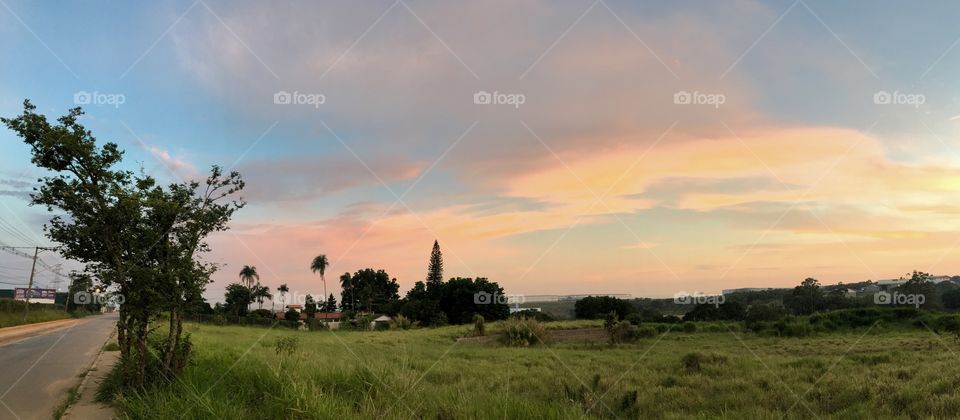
(11, 313)
(424, 373)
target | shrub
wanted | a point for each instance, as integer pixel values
(219, 319)
(693, 362)
(286, 346)
(621, 332)
(292, 315)
(633, 318)
(523, 332)
(261, 313)
(479, 329)
(646, 332)
(529, 313)
(400, 322)
(688, 327)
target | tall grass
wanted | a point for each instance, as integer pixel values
(424, 373)
(11, 313)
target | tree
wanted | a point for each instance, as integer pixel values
(128, 231)
(319, 265)
(348, 301)
(597, 307)
(918, 284)
(331, 304)
(238, 297)
(806, 298)
(310, 306)
(435, 269)
(81, 284)
(248, 274)
(459, 300)
(260, 293)
(283, 289)
(373, 290)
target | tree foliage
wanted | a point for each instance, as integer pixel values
(129, 232)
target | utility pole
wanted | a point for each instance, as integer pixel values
(33, 269)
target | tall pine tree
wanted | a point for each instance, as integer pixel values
(435, 271)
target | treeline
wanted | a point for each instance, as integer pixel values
(433, 302)
(805, 308)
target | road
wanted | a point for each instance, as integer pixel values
(35, 373)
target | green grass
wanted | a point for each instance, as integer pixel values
(423, 373)
(10, 319)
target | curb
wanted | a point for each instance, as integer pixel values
(86, 377)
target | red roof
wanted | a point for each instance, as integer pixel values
(327, 315)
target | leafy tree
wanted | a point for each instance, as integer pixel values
(310, 307)
(420, 304)
(261, 292)
(919, 284)
(596, 307)
(951, 299)
(373, 290)
(319, 265)
(249, 275)
(806, 298)
(238, 297)
(435, 269)
(727, 311)
(128, 231)
(80, 283)
(458, 300)
(291, 315)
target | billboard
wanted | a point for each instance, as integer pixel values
(21, 293)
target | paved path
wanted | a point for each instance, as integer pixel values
(35, 373)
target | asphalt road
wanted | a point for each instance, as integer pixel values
(35, 373)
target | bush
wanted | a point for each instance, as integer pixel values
(531, 314)
(261, 313)
(694, 362)
(688, 327)
(292, 315)
(523, 332)
(286, 346)
(479, 329)
(400, 322)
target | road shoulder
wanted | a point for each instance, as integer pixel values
(86, 407)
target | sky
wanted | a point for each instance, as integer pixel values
(642, 148)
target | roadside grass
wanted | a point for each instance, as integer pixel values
(238, 372)
(11, 313)
(73, 395)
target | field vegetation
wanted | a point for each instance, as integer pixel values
(890, 370)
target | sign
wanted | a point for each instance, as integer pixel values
(35, 293)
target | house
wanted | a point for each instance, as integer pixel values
(328, 316)
(295, 306)
(379, 321)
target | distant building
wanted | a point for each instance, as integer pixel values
(515, 310)
(751, 289)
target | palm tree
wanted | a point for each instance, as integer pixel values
(260, 293)
(283, 289)
(248, 274)
(320, 265)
